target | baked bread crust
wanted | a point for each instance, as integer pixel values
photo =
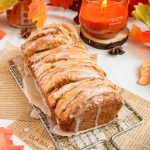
(73, 86)
(49, 37)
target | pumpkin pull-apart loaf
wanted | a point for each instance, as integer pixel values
(73, 85)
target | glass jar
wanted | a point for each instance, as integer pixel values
(103, 20)
(18, 15)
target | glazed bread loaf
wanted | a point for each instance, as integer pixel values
(74, 87)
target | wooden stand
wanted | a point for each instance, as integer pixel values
(119, 39)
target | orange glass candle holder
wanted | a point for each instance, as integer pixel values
(103, 21)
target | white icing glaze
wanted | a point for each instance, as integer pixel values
(64, 47)
(49, 41)
(37, 57)
(44, 67)
(59, 29)
(48, 67)
(65, 55)
(72, 54)
(88, 94)
(97, 116)
(69, 46)
(71, 98)
(35, 66)
(77, 117)
(97, 101)
(87, 72)
(65, 88)
(77, 120)
(40, 33)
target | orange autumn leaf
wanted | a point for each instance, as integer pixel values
(2, 34)
(138, 35)
(63, 3)
(37, 12)
(5, 140)
(145, 73)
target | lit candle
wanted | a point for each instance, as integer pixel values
(99, 18)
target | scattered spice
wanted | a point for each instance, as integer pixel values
(25, 33)
(116, 50)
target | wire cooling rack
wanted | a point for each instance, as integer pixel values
(103, 136)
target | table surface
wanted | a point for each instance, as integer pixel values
(121, 69)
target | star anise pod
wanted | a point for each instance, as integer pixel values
(116, 50)
(25, 33)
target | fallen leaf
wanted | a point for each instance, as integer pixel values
(5, 4)
(145, 73)
(5, 142)
(132, 3)
(2, 34)
(37, 12)
(63, 3)
(138, 35)
(142, 12)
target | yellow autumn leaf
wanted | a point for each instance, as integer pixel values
(142, 12)
(5, 4)
(37, 12)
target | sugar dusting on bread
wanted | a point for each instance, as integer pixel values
(56, 58)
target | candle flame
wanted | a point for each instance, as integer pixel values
(104, 4)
